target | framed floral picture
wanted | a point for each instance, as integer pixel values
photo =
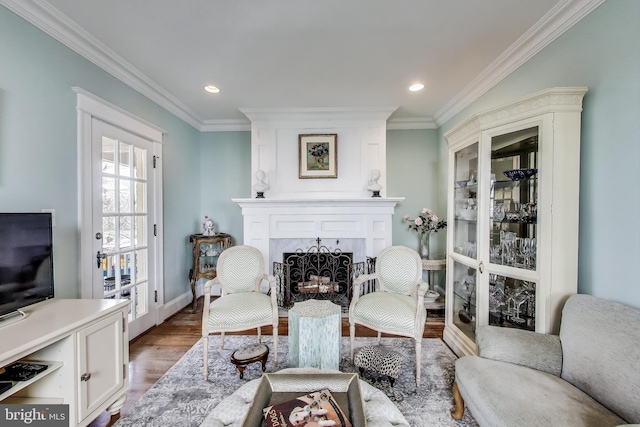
(318, 156)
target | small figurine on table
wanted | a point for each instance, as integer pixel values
(208, 229)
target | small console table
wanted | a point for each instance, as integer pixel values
(431, 266)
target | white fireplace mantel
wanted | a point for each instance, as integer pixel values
(342, 218)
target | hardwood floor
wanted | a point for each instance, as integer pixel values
(155, 351)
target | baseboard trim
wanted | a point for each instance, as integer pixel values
(175, 305)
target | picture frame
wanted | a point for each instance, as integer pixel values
(317, 156)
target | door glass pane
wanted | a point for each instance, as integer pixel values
(140, 197)
(465, 199)
(125, 232)
(512, 302)
(125, 157)
(141, 265)
(108, 233)
(464, 299)
(126, 264)
(108, 155)
(125, 196)
(140, 231)
(514, 199)
(108, 195)
(139, 163)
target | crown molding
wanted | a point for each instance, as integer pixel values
(48, 19)
(225, 125)
(558, 20)
(411, 123)
(555, 99)
(318, 114)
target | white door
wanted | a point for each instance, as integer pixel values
(123, 221)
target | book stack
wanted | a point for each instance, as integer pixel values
(314, 409)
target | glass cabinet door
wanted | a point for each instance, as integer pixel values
(512, 240)
(465, 233)
(512, 302)
(514, 199)
(209, 253)
(464, 299)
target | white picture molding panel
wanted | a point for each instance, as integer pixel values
(362, 144)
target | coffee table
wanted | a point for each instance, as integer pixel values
(379, 410)
(250, 354)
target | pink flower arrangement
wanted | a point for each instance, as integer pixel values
(426, 222)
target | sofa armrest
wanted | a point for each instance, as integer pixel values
(533, 350)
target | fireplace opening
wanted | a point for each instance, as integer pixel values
(319, 273)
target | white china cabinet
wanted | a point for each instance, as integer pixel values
(512, 240)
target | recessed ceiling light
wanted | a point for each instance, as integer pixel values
(416, 87)
(211, 89)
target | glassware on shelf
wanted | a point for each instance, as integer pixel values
(498, 212)
(508, 247)
(519, 298)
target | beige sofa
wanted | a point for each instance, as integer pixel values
(588, 375)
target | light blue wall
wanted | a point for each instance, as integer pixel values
(413, 173)
(602, 52)
(225, 162)
(38, 153)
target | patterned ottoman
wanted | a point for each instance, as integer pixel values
(380, 360)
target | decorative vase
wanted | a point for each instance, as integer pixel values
(424, 245)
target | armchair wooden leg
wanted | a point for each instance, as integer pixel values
(205, 357)
(275, 346)
(352, 335)
(418, 359)
(458, 410)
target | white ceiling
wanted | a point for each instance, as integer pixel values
(306, 53)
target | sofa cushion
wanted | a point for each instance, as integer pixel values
(503, 394)
(527, 348)
(601, 354)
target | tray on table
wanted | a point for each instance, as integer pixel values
(277, 388)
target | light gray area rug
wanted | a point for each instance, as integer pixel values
(183, 398)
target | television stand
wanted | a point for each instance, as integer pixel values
(12, 317)
(85, 345)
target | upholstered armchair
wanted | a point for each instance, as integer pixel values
(397, 305)
(241, 306)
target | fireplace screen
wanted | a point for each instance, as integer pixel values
(319, 274)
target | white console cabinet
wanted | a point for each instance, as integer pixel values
(86, 345)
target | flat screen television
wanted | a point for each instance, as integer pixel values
(26, 260)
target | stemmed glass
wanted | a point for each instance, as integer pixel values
(509, 293)
(507, 242)
(519, 298)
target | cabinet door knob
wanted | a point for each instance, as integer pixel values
(481, 267)
(85, 377)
